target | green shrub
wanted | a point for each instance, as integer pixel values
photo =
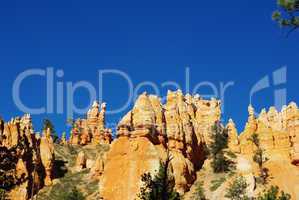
(199, 193)
(274, 194)
(237, 190)
(161, 187)
(221, 159)
(216, 184)
(259, 158)
(47, 124)
(75, 194)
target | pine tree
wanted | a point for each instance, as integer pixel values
(259, 158)
(237, 190)
(63, 136)
(273, 194)
(161, 187)
(287, 14)
(220, 161)
(47, 124)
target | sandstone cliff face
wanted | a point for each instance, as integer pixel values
(147, 132)
(132, 153)
(182, 126)
(21, 158)
(145, 135)
(91, 130)
(278, 132)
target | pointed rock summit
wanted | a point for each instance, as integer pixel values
(146, 133)
(91, 130)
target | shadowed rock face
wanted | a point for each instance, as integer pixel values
(26, 165)
(92, 129)
(147, 132)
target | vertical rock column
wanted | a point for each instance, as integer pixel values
(47, 156)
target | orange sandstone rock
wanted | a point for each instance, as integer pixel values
(47, 156)
(92, 129)
(233, 140)
(81, 161)
(21, 145)
(150, 130)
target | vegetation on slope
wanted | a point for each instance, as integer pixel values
(71, 183)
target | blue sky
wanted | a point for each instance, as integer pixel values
(219, 41)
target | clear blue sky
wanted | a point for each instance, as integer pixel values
(150, 41)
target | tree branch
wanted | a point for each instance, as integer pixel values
(291, 30)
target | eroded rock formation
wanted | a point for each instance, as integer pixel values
(181, 127)
(278, 132)
(81, 161)
(233, 139)
(150, 130)
(22, 158)
(92, 129)
(98, 168)
(47, 156)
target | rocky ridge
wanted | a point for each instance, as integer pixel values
(146, 133)
(26, 159)
(181, 127)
